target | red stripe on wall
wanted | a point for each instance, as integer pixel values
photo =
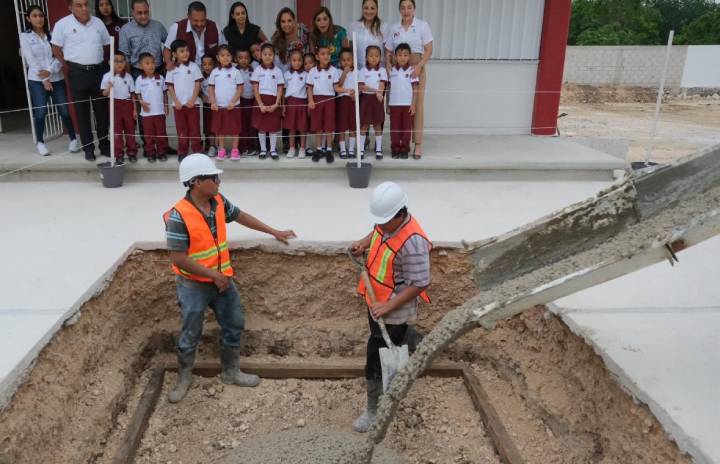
(57, 9)
(306, 10)
(556, 26)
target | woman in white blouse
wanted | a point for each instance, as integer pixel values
(370, 31)
(416, 33)
(45, 78)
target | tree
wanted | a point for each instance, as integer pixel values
(704, 30)
(614, 22)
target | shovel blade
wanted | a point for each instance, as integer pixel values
(391, 361)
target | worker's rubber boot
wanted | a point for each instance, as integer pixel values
(231, 373)
(374, 390)
(412, 339)
(185, 367)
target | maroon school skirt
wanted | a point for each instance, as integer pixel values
(267, 122)
(322, 118)
(372, 111)
(227, 123)
(296, 114)
(345, 112)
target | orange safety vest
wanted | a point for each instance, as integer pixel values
(381, 259)
(204, 248)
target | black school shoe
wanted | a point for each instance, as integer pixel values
(395, 155)
(181, 157)
(343, 155)
(132, 158)
(119, 160)
(90, 156)
(274, 156)
(378, 155)
(162, 157)
(404, 155)
(317, 154)
(151, 158)
(329, 158)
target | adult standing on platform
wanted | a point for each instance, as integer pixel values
(289, 36)
(201, 34)
(240, 33)
(105, 10)
(142, 35)
(371, 31)
(78, 42)
(45, 77)
(327, 34)
(416, 33)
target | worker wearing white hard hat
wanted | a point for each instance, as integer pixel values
(197, 240)
(398, 264)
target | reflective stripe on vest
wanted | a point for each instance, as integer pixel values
(381, 260)
(204, 248)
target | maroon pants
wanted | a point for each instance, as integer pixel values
(401, 124)
(248, 134)
(155, 135)
(124, 128)
(208, 125)
(187, 122)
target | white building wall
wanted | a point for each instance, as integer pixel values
(466, 29)
(702, 66)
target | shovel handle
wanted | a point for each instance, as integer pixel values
(371, 295)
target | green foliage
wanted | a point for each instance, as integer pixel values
(643, 22)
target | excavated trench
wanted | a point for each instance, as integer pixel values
(551, 391)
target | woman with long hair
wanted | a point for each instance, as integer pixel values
(289, 35)
(105, 10)
(416, 33)
(45, 78)
(370, 30)
(327, 34)
(240, 33)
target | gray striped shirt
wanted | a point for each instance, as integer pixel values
(411, 268)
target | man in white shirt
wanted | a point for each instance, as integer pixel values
(202, 35)
(79, 41)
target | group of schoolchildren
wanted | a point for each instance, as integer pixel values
(247, 101)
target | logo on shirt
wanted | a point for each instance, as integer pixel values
(188, 71)
(272, 76)
(329, 76)
(407, 75)
(229, 76)
(74, 31)
(158, 84)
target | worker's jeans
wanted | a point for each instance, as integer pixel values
(194, 298)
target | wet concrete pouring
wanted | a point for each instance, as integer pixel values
(553, 394)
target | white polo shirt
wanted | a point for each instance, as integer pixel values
(401, 86)
(268, 80)
(247, 92)
(417, 36)
(151, 90)
(204, 86)
(296, 84)
(373, 77)
(39, 57)
(225, 81)
(81, 43)
(323, 80)
(183, 79)
(349, 82)
(199, 40)
(366, 38)
(123, 85)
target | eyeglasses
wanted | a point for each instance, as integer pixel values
(214, 177)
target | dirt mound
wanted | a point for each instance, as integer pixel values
(577, 93)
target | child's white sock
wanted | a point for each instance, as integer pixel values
(273, 141)
(342, 145)
(378, 143)
(323, 141)
(362, 143)
(263, 142)
(352, 145)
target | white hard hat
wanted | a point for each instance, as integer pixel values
(387, 199)
(195, 165)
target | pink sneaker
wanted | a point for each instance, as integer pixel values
(235, 155)
(221, 154)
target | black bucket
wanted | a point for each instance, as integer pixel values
(112, 176)
(359, 177)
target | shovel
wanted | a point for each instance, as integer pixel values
(394, 357)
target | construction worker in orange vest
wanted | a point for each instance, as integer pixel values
(398, 264)
(197, 240)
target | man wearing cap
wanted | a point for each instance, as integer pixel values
(398, 264)
(197, 240)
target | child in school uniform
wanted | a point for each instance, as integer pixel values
(345, 107)
(208, 64)
(226, 86)
(321, 104)
(268, 85)
(248, 134)
(309, 63)
(402, 101)
(125, 113)
(295, 108)
(151, 91)
(256, 56)
(373, 80)
(183, 84)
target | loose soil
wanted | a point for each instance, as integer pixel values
(686, 125)
(553, 393)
